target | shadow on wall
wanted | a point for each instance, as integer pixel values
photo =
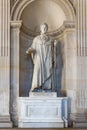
(26, 67)
(58, 69)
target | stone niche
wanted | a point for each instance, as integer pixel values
(26, 18)
(37, 13)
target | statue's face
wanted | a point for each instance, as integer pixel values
(43, 29)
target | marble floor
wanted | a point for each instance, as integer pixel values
(46, 129)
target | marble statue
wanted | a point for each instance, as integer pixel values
(42, 52)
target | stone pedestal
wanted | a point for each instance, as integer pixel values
(42, 110)
(5, 122)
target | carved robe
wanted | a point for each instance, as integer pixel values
(42, 59)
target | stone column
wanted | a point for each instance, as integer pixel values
(15, 31)
(5, 63)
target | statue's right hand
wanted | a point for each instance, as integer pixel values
(26, 52)
(29, 51)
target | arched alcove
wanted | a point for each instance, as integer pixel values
(57, 11)
(43, 11)
(19, 6)
(33, 13)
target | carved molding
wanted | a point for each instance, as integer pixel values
(82, 27)
(4, 27)
(20, 5)
(16, 24)
(66, 25)
(73, 2)
(12, 2)
(66, 6)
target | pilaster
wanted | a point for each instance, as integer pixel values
(82, 27)
(15, 43)
(71, 68)
(79, 118)
(5, 64)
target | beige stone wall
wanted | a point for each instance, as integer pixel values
(82, 52)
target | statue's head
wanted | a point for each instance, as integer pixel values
(43, 28)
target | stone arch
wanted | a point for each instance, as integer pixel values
(19, 6)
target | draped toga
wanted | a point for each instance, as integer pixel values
(42, 59)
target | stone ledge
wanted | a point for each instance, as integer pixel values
(5, 121)
(79, 124)
(42, 94)
(41, 125)
(5, 118)
(6, 125)
(79, 120)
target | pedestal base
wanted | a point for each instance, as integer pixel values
(5, 122)
(79, 120)
(41, 125)
(45, 111)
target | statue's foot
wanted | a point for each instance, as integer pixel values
(37, 90)
(47, 90)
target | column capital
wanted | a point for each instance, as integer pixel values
(16, 24)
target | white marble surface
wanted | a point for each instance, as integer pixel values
(42, 112)
(42, 94)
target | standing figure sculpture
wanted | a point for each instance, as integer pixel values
(42, 52)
